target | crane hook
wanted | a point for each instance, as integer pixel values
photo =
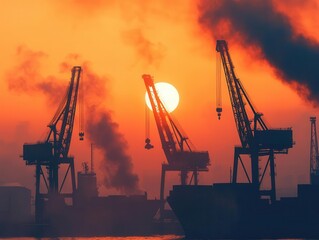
(219, 112)
(148, 144)
(81, 136)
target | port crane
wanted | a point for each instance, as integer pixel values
(53, 152)
(177, 149)
(314, 154)
(257, 140)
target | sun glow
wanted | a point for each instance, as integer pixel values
(167, 94)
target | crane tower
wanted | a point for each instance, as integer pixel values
(180, 157)
(314, 154)
(53, 152)
(256, 139)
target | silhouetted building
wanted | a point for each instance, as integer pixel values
(15, 204)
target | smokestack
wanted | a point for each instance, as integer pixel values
(257, 23)
(150, 52)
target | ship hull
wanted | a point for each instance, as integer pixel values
(235, 211)
(99, 216)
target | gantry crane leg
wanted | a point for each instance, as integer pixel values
(37, 193)
(184, 177)
(236, 157)
(255, 168)
(195, 174)
(272, 175)
(73, 182)
(162, 189)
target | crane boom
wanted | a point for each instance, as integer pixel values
(61, 125)
(162, 118)
(239, 99)
(256, 139)
(176, 147)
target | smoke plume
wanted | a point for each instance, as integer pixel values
(257, 23)
(134, 14)
(150, 52)
(106, 136)
(103, 132)
(26, 77)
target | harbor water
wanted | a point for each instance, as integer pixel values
(155, 237)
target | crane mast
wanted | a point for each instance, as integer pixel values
(314, 154)
(180, 157)
(256, 139)
(54, 150)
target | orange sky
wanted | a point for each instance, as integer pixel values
(120, 41)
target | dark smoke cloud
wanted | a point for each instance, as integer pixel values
(103, 132)
(118, 165)
(257, 23)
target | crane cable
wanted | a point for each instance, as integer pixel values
(218, 86)
(81, 109)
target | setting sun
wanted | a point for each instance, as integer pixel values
(168, 95)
